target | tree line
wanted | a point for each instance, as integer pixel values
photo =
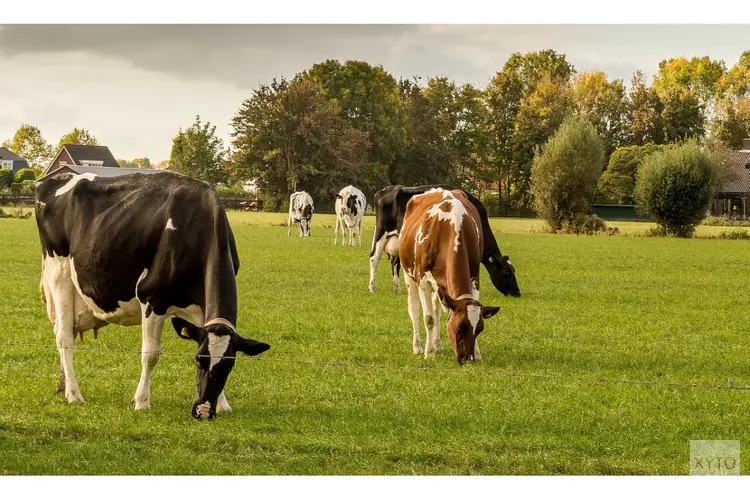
(353, 122)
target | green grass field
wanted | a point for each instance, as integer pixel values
(341, 393)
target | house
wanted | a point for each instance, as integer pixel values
(80, 159)
(733, 195)
(11, 161)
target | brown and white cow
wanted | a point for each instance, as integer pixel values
(441, 251)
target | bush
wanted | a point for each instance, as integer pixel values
(676, 185)
(565, 174)
(28, 187)
(16, 187)
(587, 224)
(492, 203)
(6, 178)
(618, 181)
(25, 174)
(725, 220)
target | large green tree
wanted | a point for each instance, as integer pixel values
(78, 136)
(732, 121)
(644, 121)
(198, 152)
(604, 105)
(527, 100)
(290, 135)
(29, 143)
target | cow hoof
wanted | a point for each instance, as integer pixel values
(371, 288)
(142, 405)
(203, 411)
(418, 350)
(74, 399)
(429, 355)
(223, 408)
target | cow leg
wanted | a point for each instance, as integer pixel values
(61, 379)
(359, 231)
(477, 354)
(289, 225)
(437, 307)
(377, 252)
(395, 267)
(336, 231)
(221, 403)
(351, 236)
(151, 327)
(430, 319)
(413, 299)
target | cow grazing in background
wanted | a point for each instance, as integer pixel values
(135, 250)
(390, 207)
(301, 209)
(350, 210)
(440, 250)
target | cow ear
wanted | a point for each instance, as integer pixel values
(249, 346)
(489, 311)
(446, 299)
(188, 331)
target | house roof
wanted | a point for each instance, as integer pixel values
(100, 171)
(739, 162)
(7, 154)
(80, 153)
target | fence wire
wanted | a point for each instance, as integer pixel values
(373, 366)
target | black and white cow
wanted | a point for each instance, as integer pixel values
(135, 250)
(301, 209)
(390, 207)
(350, 210)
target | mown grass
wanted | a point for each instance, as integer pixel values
(340, 392)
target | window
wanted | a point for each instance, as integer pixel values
(8, 165)
(63, 163)
(92, 163)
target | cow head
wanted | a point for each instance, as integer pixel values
(503, 275)
(218, 345)
(465, 323)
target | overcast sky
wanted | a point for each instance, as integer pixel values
(134, 86)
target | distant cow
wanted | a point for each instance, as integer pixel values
(300, 211)
(134, 250)
(350, 210)
(440, 250)
(390, 207)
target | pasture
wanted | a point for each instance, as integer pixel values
(589, 372)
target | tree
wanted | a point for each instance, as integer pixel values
(644, 121)
(141, 163)
(29, 144)
(78, 136)
(683, 115)
(526, 102)
(197, 152)
(369, 100)
(25, 174)
(6, 178)
(125, 163)
(675, 186)
(565, 173)
(289, 135)
(732, 122)
(603, 104)
(618, 181)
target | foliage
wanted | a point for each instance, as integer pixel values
(78, 136)
(233, 191)
(197, 152)
(565, 174)
(618, 181)
(603, 104)
(25, 174)
(289, 136)
(527, 101)
(725, 220)
(675, 186)
(645, 123)
(6, 178)
(29, 144)
(587, 224)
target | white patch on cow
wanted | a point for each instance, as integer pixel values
(420, 237)
(217, 346)
(428, 277)
(73, 181)
(455, 216)
(474, 312)
(170, 226)
(41, 204)
(203, 410)
(475, 290)
(509, 263)
(192, 313)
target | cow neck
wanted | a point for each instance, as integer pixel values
(465, 296)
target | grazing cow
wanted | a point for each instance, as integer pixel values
(300, 211)
(440, 249)
(350, 210)
(134, 250)
(390, 206)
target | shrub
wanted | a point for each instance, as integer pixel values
(28, 187)
(16, 187)
(25, 174)
(564, 175)
(724, 220)
(585, 224)
(618, 181)
(676, 185)
(492, 203)
(6, 178)
(735, 234)
(235, 191)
